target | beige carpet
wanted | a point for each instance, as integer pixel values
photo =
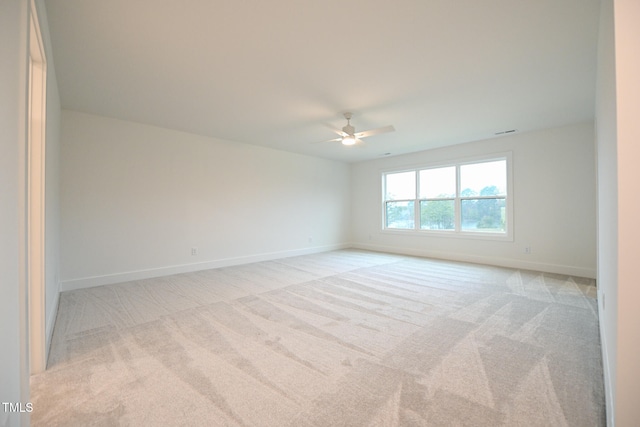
(344, 338)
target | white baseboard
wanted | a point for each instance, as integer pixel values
(51, 321)
(608, 390)
(108, 279)
(482, 259)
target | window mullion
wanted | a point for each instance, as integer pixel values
(457, 204)
(417, 222)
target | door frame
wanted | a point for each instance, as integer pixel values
(35, 197)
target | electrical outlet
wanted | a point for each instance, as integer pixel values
(527, 250)
(310, 239)
(194, 251)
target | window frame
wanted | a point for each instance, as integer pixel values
(457, 231)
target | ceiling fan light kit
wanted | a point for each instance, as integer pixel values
(348, 140)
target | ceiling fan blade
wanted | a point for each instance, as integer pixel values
(336, 130)
(377, 131)
(329, 140)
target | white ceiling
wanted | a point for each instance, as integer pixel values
(275, 73)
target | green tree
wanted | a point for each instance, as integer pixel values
(400, 214)
(437, 214)
(489, 213)
(469, 207)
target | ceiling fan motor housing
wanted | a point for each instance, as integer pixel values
(349, 130)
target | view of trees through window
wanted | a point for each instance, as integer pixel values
(467, 197)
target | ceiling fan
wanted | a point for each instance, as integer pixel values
(348, 135)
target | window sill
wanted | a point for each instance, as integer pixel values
(504, 237)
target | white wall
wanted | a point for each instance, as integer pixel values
(607, 167)
(135, 199)
(14, 375)
(14, 380)
(554, 203)
(618, 133)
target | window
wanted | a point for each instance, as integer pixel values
(400, 192)
(437, 198)
(466, 198)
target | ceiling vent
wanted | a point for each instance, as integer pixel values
(504, 132)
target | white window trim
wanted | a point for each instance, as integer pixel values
(481, 235)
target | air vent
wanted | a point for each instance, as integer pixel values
(503, 132)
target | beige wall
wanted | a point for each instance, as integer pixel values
(618, 134)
